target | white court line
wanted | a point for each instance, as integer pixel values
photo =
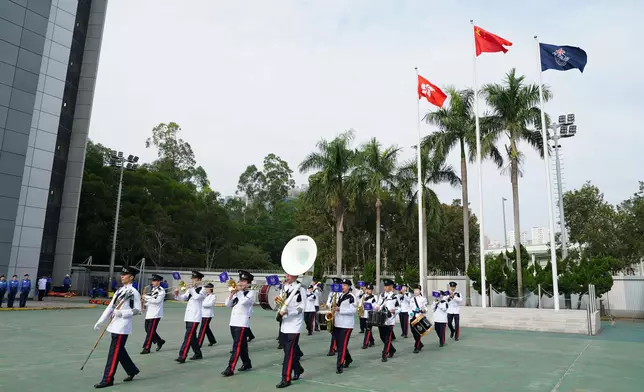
(556, 388)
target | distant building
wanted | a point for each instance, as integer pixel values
(523, 238)
(540, 235)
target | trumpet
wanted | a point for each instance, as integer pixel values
(232, 285)
(183, 286)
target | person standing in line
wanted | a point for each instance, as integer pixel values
(3, 288)
(454, 303)
(42, 287)
(25, 288)
(418, 306)
(333, 346)
(153, 314)
(309, 310)
(439, 308)
(388, 303)
(13, 290)
(207, 313)
(195, 296)
(405, 308)
(125, 304)
(370, 299)
(240, 300)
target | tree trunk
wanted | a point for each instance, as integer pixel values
(466, 222)
(514, 178)
(378, 205)
(339, 217)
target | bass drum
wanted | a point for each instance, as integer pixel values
(266, 297)
(321, 315)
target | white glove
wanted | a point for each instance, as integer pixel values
(118, 313)
(97, 327)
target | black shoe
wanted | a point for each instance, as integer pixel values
(196, 357)
(372, 344)
(391, 353)
(104, 384)
(384, 359)
(416, 351)
(365, 347)
(227, 373)
(362, 331)
(442, 345)
(160, 344)
(283, 384)
(130, 377)
(405, 336)
(145, 351)
(249, 340)
(243, 368)
(330, 354)
(280, 347)
(340, 370)
(348, 362)
(180, 360)
(456, 340)
(231, 351)
(451, 334)
(213, 343)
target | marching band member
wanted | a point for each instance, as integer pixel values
(453, 311)
(317, 290)
(370, 299)
(279, 327)
(343, 323)
(439, 308)
(195, 296)
(359, 294)
(405, 308)
(240, 300)
(389, 303)
(419, 306)
(125, 304)
(290, 326)
(334, 344)
(207, 313)
(153, 314)
(309, 310)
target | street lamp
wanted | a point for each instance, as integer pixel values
(564, 128)
(118, 160)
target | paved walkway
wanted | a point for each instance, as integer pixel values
(50, 303)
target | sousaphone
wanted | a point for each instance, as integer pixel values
(298, 258)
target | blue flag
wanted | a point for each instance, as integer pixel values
(272, 280)
(562, 58)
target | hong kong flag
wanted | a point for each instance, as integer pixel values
(433, 94)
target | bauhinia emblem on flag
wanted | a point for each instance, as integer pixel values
(431, 92)
(488, 42)
(562, 58)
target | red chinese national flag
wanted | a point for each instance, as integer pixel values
(488, 42)
(433, 94)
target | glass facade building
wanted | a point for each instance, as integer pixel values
(49, 53)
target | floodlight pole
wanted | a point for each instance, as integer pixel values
(562, 218)
(116, 223)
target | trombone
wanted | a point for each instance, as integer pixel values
(183, 286)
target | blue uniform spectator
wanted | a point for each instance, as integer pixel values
(25, 288)
(67, 283)
(3, 288)
(13, 290)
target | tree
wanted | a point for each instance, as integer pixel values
(252, 183)
(278, 178)
(333, 162)
(631, 227)
(447, 251)
(514, 111)
(376, 171)
(457, 129)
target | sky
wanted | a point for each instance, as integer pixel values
(247, 78)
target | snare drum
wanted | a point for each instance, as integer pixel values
(421, 325)
(376, 318)
(266, 297)
(321, 315)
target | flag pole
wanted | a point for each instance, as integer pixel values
(546, 162)
(421, 263)
(480, 174)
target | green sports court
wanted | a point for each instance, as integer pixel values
(44, 350)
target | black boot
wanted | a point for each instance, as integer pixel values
(245, 367)
(160, 344)
(283, 384)
(104, 384)
(145, 351)
(130, 377)
(180, 360)
(227, 373)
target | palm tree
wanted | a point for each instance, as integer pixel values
(334, 162)
(515, 108)
(433, 171)
(376, 172)
(457, 127)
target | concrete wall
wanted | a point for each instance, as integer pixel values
(521, 319)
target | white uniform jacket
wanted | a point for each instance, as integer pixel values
(42, 284)
(311, 299)
(122, 317)
(440, 311)
(454, 305)
(154, 303)
(208, 307)
(292, 320)
(345, 318)
(241, 302)
(405, 305)
(418, 304)
(389, 301)
(318, 293)
(195, 297)
(368, 298)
